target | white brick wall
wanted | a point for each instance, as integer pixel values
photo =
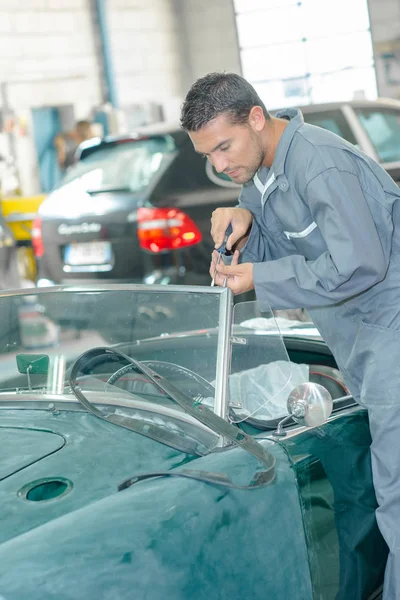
(47, 54)
(210, 37)
(47, 58)
(144, 43)
(161, 46)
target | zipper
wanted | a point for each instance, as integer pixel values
(301, 234)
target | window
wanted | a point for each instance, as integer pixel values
(306, 52)
(383, 128)
(129, 165)
(332, 120)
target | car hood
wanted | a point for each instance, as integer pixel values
(164, 537)
(24, 447)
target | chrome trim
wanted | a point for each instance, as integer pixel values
(42, 402)
(115, 287)
(358, 131)
(87, 268)
(391, 165)
(223, 354)
(296, 429)
(19, 217)
(159, 223)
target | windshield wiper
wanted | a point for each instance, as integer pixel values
(197, 410)
(106, 189)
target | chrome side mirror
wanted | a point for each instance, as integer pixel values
(309, 404)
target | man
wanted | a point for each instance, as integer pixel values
(317, 226)
(67, 143)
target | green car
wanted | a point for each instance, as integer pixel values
(204, 456)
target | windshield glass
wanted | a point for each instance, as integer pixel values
(383, 128)
(127, 166)
(63, 323)
(132, 349)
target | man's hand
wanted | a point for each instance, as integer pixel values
(241, 220)
(238, 278)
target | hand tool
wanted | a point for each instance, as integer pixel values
(222, 250)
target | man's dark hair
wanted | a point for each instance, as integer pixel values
(218, 93)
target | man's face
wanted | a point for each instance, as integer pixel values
(233, 149)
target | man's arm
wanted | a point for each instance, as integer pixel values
(357, 255)
(356, 259)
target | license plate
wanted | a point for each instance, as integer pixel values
(91, 253)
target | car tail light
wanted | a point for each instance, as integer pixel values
(37, 240)
(161, 229)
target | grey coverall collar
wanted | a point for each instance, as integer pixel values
(296, 120)
(264, 178)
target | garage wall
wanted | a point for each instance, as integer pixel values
(208, 38)
(47, 59)
(385, 28)
(145, 51)
(161, 46)
(47, 54)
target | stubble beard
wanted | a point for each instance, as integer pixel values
(251, 171)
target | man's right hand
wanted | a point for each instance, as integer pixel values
(240, 219)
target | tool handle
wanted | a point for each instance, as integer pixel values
(222, 248)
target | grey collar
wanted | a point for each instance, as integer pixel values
(296, 121)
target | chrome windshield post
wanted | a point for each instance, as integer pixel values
(223, 356)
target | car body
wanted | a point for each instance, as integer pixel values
(137, 208)
(136, 469)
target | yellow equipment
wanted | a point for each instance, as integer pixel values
(19, 213)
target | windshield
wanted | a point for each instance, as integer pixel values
(64, 322)
(124, 166)
(131, 350)
(383, 128)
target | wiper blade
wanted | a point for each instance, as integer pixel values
(197, 410)
(105, 189)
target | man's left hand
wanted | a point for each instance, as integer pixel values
(239, 277)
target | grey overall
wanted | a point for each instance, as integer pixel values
(326, 237)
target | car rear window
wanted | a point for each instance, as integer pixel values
(121, 166)
(334, 121)
(383, 128)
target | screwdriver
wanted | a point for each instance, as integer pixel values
(222, 250)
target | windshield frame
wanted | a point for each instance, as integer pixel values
(226, 309)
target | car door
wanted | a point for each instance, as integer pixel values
(346, 550)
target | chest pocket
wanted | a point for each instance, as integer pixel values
(308, 241)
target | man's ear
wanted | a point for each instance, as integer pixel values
(256, 118)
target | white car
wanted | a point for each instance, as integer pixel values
(372, 126)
